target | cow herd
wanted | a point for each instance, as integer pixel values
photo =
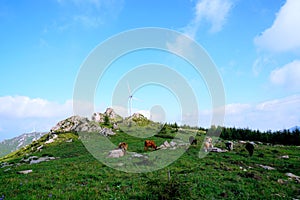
(207, 146)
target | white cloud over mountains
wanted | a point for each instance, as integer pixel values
(23, 114)
(284, 33)
(20, 114)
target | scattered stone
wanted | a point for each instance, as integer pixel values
(35, 159)
(267, 167)
(116, 153)
(293, 176)
(285, 157)
(137, 155)
(281, 181)
(54, 136)
(27, 160)
(70, 140)
(115, 126)
(106, 132)
(217, 150)
(5, 164)
(173, 144)
(25, 171)
(166, 144)
(40, 148)
(41, 159)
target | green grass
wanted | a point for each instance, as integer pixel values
(76, 174)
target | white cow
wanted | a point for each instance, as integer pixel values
(208, 144)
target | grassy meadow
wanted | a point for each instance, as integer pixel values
(76, 174)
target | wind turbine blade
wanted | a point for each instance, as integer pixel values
(129, 89)
(136, 99)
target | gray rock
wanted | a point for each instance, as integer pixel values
(285, 157)
(25, 171)
(137, 155)
(107, 132)
(116, 153)
(267, 167)
(292, 176)
(41, 159)
(217, 150)
(173, 144)
(166, 144)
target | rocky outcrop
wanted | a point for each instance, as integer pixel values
(110, 113)
(80, 124)
(35, 159)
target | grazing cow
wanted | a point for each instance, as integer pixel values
(123, 145)
(250, 148)
(193, 140)
(208, 144)
(229, 145)
(149, 143)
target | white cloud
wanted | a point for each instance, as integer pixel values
(261, 63)
(275, 114)
(88, 13)
(25, 107)
(283, 35)
(214, 12)
(287, 76)
(20, 114)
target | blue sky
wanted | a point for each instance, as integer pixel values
(254, 44)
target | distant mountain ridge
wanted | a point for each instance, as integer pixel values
(10, 145)
(294, 128)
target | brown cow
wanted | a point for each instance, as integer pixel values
(123, 145)
(149, 143)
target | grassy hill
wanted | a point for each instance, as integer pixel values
(76, 174)
(10, 145)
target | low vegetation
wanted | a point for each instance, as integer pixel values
(76, 174)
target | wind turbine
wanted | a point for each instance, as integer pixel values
(130, 98)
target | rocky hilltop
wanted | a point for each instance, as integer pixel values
(109, 113)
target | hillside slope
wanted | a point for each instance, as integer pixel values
(75, 174)
(59, 166)
(11, 145)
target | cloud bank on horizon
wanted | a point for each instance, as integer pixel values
(255, 45)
